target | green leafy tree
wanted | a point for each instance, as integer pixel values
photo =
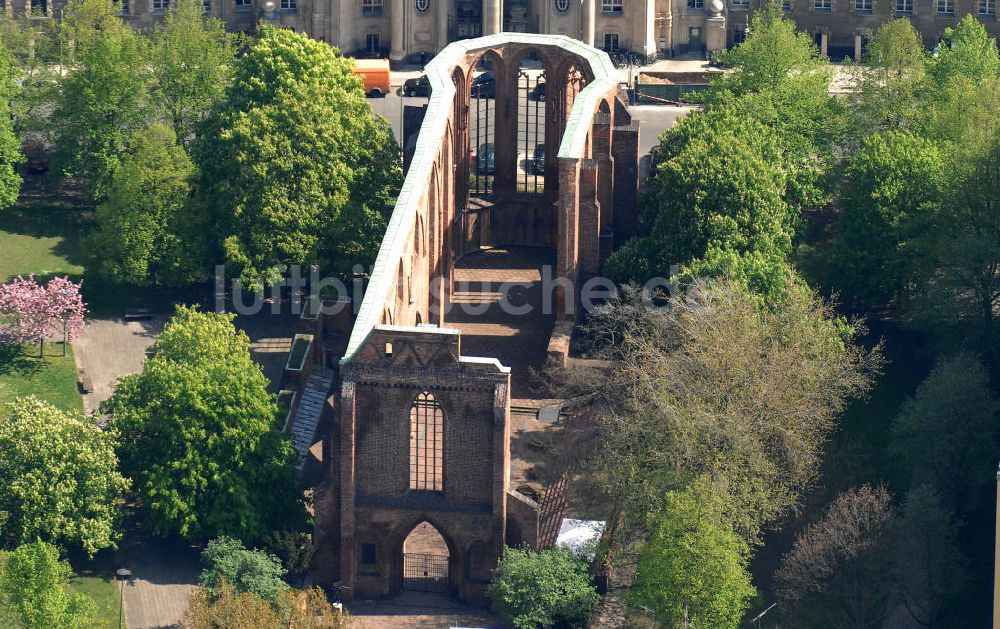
(896, 180)
(34, 588)
(103, 95)
(959, 244)
(712, 384)
(967, 50)
(694, 571)
(770, 54)
(891, 84)
(199, 438)
(10, 146)
(58, 478)
(721, 187)
(137, 237)
(191, 61)
(546, 588)
(294, 548)
(34, 50)
(946, 434)
(292, 153)
(255, 571)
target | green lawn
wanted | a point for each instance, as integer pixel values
(42, 232)
(104, 591)
(93, 578)
(52, 379)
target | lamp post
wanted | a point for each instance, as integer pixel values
(122, 574)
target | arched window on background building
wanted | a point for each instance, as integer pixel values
(426, 444)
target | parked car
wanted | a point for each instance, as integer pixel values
(538, 92)
(539, 161)
(420, 86)
(36, 162)
(484, 86)
(486, 159)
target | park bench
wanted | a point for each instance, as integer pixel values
(137, 314)
(86, 386)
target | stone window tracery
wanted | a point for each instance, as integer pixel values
(426, 444)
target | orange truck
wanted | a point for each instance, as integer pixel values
(375, 73)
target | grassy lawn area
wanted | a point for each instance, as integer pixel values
(52, 379)
(96, 579)
(93, 578)
(41, 233)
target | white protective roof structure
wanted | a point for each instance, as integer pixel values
(431, 137)
(580, 536)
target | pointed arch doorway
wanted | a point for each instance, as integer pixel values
(426, 560)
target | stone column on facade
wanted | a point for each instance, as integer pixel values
(492, 17)
(442, 23)
(396, 45)
(649, 30)
(666, 31)
(857, 46)
(588, 21)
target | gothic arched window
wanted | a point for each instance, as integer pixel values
(423, 5)
(562, 6)
(426, 444)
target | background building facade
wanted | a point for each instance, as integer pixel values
(415, 30)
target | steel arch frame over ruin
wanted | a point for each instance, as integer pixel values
(400, 347)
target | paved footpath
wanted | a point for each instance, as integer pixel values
(110, 348)
(415, 610)
(163, 576)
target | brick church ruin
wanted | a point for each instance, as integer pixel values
(526, 158)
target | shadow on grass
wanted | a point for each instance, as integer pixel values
(14, 361)
(48, 207)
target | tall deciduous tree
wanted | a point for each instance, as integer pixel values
(960, 242)
(34, 49)
(714, 385)
(838, 571)
(896, 180)
(282, 154)
(58, 478)
(928, 567)
(199, 436)
(35, 583)
(693, 572)
(889, 86)
(946, 434)
(191, 60)
(967, 50)
(103, 96)
(719, 188)
(137, 237)
(10, 146)
(772, 52)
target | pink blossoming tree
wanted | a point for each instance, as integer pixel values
(31, 313)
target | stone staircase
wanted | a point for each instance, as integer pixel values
(303, 428)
